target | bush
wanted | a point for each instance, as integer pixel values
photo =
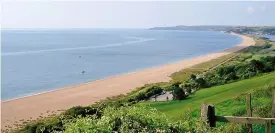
(178, 93)
(256, 66)
(145, 95)
(231, 76)
(269, 63)
(80, 111)
(231, 73)
(225, 70)
(141, 96)
(46, 126)
(125, 119)
(31, 128)
(155, 90)
(267, 45)
(201, 83)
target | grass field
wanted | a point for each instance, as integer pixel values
(202, 67)
(229, 100)
(214, 95)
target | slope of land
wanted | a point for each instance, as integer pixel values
(202, 27)
(213, 95)
(256, 30)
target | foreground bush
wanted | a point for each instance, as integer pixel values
(125, 120)
(139, 119)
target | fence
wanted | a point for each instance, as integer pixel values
(208, 114)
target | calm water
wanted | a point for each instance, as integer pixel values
(37, 61)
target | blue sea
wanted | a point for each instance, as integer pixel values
(35, 61)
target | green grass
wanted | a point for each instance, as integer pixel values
(214, 95)
(184, 74)
(261, 106)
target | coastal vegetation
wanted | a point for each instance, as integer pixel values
(231, 73)
(223, 81)
(264, 30)
(179, 116)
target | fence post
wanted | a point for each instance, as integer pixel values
(273, 105)
(208, 114)
(268, 126)
(249, 111)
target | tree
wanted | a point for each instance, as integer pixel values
(256, 66)
(140, 96)
(178, 93)
(201, 82)
(269, 63)
(193, 77)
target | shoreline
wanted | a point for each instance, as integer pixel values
(83, 83)
(113, 76)
(35, 105)
(116, 75)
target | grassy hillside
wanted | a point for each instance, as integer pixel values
(254, 30)
(213, 95)
(228, 99)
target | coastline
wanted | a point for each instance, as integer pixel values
(36, 105)
(109, 77)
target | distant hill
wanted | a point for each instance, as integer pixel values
(256, 30)
(259, 30)
(183, 27)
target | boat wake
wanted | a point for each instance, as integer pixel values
(134, 41)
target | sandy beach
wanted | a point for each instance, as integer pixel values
(43, 104)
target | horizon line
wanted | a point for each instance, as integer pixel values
(83, 28)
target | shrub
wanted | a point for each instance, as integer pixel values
(201, 83)
(155, 90)
(141, 96)
(231, 76)
(145, 95)
(193, 77)
(46, 126)
(267, 45)
(80, 111)
(256, 66)
(225, 70)
(230, 73)
(32, 128)
(269, 63)
(178, 93)
(125, 119)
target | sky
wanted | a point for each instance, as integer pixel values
(92, 14)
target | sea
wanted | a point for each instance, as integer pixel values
(40, 60)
